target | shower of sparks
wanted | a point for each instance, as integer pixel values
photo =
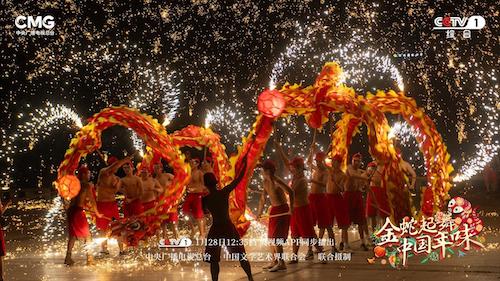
(361, 63)
(406, 137)
(137, 142)
(487, 97)
(53, 219)
(41, 124)
(291, 51)
(402, 132)
(228, 53)
(230, 122)
(206, 61)
(159, 95)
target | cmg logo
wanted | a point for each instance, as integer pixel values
(39, 22)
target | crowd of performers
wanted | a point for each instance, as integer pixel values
(140, 193)
(331, 196)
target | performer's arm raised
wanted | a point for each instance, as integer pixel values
(113, 168)
(282, 154)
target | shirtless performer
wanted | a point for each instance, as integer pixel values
(353, 195)
(151, 189)
(133, 190)
(317, 197)
(78, 227)
(165, 180)
(107, 186)
(301, 225)
(277, 231)
(338, 206)
(195, 191)
(377, 202)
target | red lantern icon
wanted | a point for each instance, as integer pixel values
(271, 103)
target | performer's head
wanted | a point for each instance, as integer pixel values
(210, 182)
(144, 172)
(128, 169)
(111, 159)
(337, 161)
(207, 164)
(158, 167)
(356, 160)
(269, 168)
(195, 163)
(84, 173)
(320, 158)
(297, 166)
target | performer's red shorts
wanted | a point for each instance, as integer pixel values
(302, 225)
(110, 211)
(320, 210)
(382, 202)
(3, 251)
(149, 205)
(77, 223)
(192, 205)
(338, 209)
(278, 226)
(223, 235)
(133, 208)
(355, 206)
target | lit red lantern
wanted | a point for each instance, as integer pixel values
(68, 186)
(271, 103)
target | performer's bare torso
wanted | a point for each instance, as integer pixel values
(376, 178)
(149, 190)
(336, 181)
(352, 183)
(299, 187)
(165, 180)
(276, 194)
(131, 187)
(196, 183)
(319, 175)
(107, 186)
(83, 196)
